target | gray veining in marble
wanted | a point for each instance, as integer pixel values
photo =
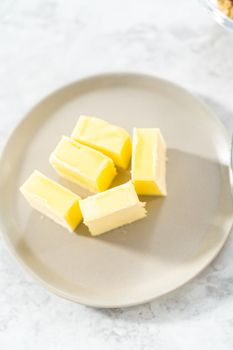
(45, 44)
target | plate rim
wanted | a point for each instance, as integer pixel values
(107, 75)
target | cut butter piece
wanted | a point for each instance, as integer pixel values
(52, 200)
(110, 139)
(149, 162)
(111, 209)
(83, 165)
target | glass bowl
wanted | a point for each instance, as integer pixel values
(217, 14)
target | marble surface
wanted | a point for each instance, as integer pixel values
(47, 43)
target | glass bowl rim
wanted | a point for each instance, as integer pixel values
(217, 14)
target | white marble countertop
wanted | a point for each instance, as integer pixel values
(47, 43)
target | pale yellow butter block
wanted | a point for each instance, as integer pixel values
(149, 162)
(52, 200)
(110, 139)
(111, 209)
(83, 165)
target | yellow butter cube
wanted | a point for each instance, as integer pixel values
(111, 209)
(149, 162)
(110, 139)
(52, 200)
(83, 165)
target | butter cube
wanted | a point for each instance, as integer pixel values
(110, 139)
(113, 208)
(83, 165)
(149, 162)
(52, 200)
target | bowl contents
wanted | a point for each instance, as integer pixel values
(110, 139)
(52, 200)
(88, 159)
(112, 208)
(83, 165)
(226, 6)
(149, 162)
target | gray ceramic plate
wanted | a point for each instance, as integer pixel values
(182, 233)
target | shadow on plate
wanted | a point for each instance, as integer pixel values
(185, 217)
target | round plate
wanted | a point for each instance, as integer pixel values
(136, 263)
